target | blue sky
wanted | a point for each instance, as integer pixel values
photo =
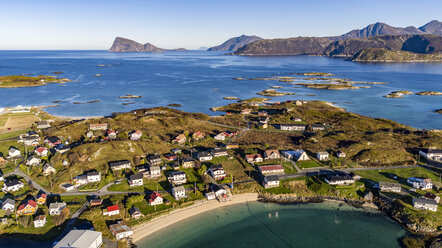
(93, 24)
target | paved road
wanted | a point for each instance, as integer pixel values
(28, 179)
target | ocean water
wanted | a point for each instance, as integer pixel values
(199, 80)
(272, 225)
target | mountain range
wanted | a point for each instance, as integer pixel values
(425, 39)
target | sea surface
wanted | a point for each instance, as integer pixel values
(199, 80)
(272, 225)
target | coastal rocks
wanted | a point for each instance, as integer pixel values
(231, 98)
(101, 65)
(98, 75)
(439, 111)
(331, 86)
(398, 94)
(316, 74)
(429, 93)
(93, 101)
(128, 96)
(273, 93)
(174, 105)
(276, 87)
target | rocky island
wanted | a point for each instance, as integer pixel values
(273, 93)
(398, 94)
(125, 45)
(129, 96)
(18, 81)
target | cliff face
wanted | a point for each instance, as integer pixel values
(125, 45)
(235, 43)
(291, 46)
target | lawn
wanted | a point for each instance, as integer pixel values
(124, 186)
(308, 164)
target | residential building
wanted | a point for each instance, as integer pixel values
(40, 221)
(340, 154)
(61, 148)
(52, 141)
(93, 176)
(41, 151)
(111, 210)
(8, 205)
(291, 127)
(135, 135)
(420, 183)
(48, 169)
(180, 139)
(271, 154)
(175, 166)
(28, 207)
(14, 152)
(155, 171)
(56, 208)
(317, 127)
(296, 119)
(432, 196)
(339, 179)
(296, 155)
(322, 156)
(30, 140)
(198, 135)
(217, 171)
(135, 212)
(179, 192)
(154, 160)
(253, 158)
(271, 181)
(67, 186)
(136, 180)
(12, 186)
(219, 190)
(262, 113)
(425, 204)
(111, 134)
(246, 111)
(155, 199)
(220, 136)
(120, 230)
(177, 178)
(188, 163)
(95, 202)
(33, 161)
(170, 157)
(80, 180)
(100, 126)
(219, 152)
(434, 154)
(176, 151)
(204, 156)
(271, 169)
(232, 146)
(41, 198)
(120, 165)
(210, 195)
(81, 238)
(390, 187)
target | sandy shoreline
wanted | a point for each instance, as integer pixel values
(148, 228)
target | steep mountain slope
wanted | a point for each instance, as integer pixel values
(433, 27)
(379, 28)
(235, 43)
(290, 46)
(126, 45)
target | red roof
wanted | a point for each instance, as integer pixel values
(154, 196)
(32, 203)
(111, 131)
(271, 167)
(42, 195)
(253, 156)
(113, 208)
(41, 149)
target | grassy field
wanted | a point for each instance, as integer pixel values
(17, 81)
(308, 164)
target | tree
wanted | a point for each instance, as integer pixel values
(133, 199)
(25, 221)
(202, 170)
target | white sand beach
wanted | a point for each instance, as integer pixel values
(145, 229)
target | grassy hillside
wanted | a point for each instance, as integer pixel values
(383, 55)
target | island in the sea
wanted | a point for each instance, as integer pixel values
(19, 81)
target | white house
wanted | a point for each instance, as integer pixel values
(33, 161)
(218, 189)
(271, 154)
(434, 154)
(271, 169)
(120, 230)
(93, 176)
(177, 178)
(271, 181)
(12, 186)
(30, 140)
(136, 135)
(14, 152)
(204, 156)
(322, 156)
(217, 171)
(48, 169)
(179, 192)
(41, 151)
(220, 136)
(154, 171)
(219, 152)
(210, 195)
(136, 180)
(155, 199)
(81, 238)
(296, 155)
(425, 204)
(253, 158)
(120, 165)
(431, 196)
(8, 205)
(111, 210)
(390, 187)
(420, 183)
(188, 163)
(340, 154)
(292, 127)
(39, 221)
(339, 179)
(56, 208)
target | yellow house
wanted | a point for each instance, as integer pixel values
(28, 208)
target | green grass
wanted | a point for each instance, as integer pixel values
(308, 164)
(278, 190)
(124, 186)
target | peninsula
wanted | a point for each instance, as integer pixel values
(19, 81)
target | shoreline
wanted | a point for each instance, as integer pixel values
(145, 229)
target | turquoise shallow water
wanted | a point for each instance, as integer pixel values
(199, 80)
(273, 225)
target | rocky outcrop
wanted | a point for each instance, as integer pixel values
(378, 55)
(235, 43)
(125, 45)
(290, 46)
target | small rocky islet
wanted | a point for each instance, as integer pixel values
(402, 93)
